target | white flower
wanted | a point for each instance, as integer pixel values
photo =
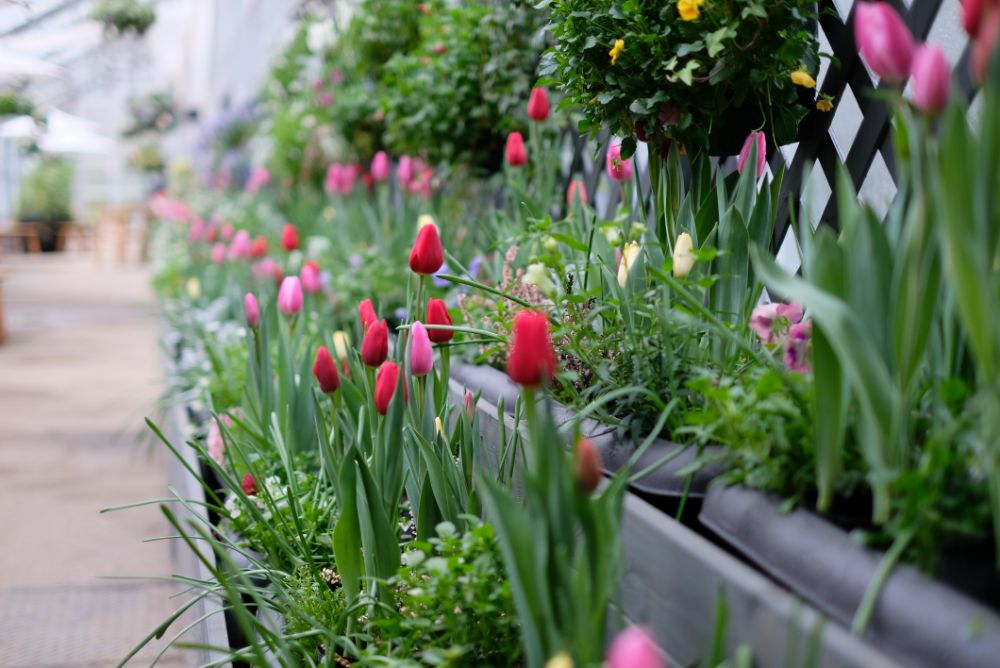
(629, 256)
(538, 275)
(321, 36)
(683, 258)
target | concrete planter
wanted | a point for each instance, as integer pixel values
(924, 623)
(674, 578)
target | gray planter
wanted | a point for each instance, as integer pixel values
(674, 579)
(922, 622)
(668, 481)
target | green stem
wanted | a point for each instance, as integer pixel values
(867, 607)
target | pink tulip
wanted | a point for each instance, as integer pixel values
(309, 275)
(239, 249)
(227, 231)
(635, 648)
(759, 139)
(380, 168)
(470, 404)
(219, 253)
(252, 310)
(797, 347)
(883, 40)
(618, 169)
(290, 295)
(421, 353)
(405, 171)
(259, 177)
(267, 268)
(196, 231)
(931, 79)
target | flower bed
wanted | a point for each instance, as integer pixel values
(332, 317)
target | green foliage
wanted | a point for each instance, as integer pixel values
(45, 191)
(683, 80)
(456, 96)
(13, 104)
(124, 15)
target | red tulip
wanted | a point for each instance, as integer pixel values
(325, 371)
(249, 485)
(375, 346)
(259, 248)
(516, 154)
(760, 139)
(289, 238)
(576, 189)
(367, 313)
(437, 314)
(385, 386)
(972, 14)
(427, 255)
(532, 360)
(931, 79)
(588, 465)
(883, 40)
(538, 105)
(984, 45)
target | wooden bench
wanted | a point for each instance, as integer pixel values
(21, 232)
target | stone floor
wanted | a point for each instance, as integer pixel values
(79, 372)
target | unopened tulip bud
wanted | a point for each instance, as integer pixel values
(683, 257)
(309, 274)
(538, 105)
(427, 254)
(290, 295)
(252, 310)
(532, 360)
(931, 80)
(635, 648)
(588, 465)
(249, 485)
(289, 238)
(193, 287)
(385, 386)
(883, 40)
(439, 426)
(437, 314)
(325, 371)
(629, 257)
(758, 139)
(470, 404)
(259, 248)
(341, 341)
(239, 248)
(515, 152)
(380, 168)
(219, 253)
(367, 314)
(421, 353)
(375, 346)
(424, 220)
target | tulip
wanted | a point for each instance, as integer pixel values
(259, 177)
(219, 253)
(289, 237)
(405, 171)
(538, 105)
(211, 234)
(532, 360)
(427, 255)
(290, 295)
(635, 648)
(214, 442)
(340, 343)
(239, 249)
(576, 190)
(628, 259)
(425, 219)
(249, 485)
(588, 465)
(380, 168)
(983, 47)
(197, 230)
(683, 257)
(797, 347)
(516, 154)
(367, 314)
(470, 404)
(325, 370)
(268, 268)
(252, 310)
(758, 139)
(883, 40)
(375, 346)
(437, 314)
(972, 15)
(931, 79)
(421, 353)
(227, 231)
(259, 248)
(193, 287)
(618, 169)
(385, 386)
(309, 274)
(560, 660)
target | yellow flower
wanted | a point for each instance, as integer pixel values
(824, 104)
(560, 660)
(340, 343)
(629, 256)
(802, 78)
(683, 258)
(440, 427)
(425, 219)
(688, 9)
(616, 50)
(193, 287)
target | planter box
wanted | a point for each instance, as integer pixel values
(674, 579)
(922, 622)
(665, 482)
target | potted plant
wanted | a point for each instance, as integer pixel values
(45, 198)
(123, 16)
(703, 75)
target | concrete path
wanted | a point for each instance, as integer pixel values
(79, 372)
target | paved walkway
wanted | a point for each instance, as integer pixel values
(78, 374)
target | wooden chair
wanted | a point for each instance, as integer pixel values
(21, 232)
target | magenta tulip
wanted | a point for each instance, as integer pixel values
(252, 309)
(290, 295)
(309, 274)
(239, 248)
(405, 171)
(759, 139)
(883, 40)
(635, 648)
(931, 79)
(380, 166)
(421, 353)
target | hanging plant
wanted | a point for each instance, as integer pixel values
(701, 73)
(123, 16)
